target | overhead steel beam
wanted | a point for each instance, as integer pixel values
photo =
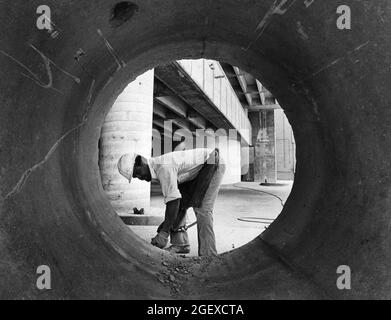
(190, 93)
(182, 123)
(264, 107)
(250, 92)
(158, 122)
(260, 91)
(243, 85)
(159, 110)
(160, 89)
(175, 104)
(197, 120)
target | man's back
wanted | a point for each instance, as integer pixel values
(175, 168)
(186, 164)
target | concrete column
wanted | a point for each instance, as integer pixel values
(127, 128)
(247, 163)
(264, 141)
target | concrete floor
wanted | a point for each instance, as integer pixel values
(234, 201)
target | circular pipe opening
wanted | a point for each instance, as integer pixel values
(261, 250)
(151, 119)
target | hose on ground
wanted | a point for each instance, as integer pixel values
(259, 219)
(256, 220)
(261, 191)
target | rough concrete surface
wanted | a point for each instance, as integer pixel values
(333, 85)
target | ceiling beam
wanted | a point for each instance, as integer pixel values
(181, 123)
(175, 104)
(264, 107)
(159, 110)
(158, 122)
(243, 85)
(250, 92)
(260, 91)
(160, 89)
(198, 121)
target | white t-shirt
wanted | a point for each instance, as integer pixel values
(175, 168)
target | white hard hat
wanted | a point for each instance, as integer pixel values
(125, 165)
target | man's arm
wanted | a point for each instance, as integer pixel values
(168, 181)
(163, 232)
(172, 209)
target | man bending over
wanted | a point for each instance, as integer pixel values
(189, 178)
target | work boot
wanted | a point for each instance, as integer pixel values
(178, 249)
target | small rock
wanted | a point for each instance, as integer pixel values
(172, 278)
(165, 264)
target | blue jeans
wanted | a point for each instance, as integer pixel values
(204, 215)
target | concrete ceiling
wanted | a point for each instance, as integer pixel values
(251, 93)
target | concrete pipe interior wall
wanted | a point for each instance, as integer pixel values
(332, 84)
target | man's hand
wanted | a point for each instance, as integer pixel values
(160, 240)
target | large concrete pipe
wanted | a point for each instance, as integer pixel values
(126, 129)
(332, 84)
